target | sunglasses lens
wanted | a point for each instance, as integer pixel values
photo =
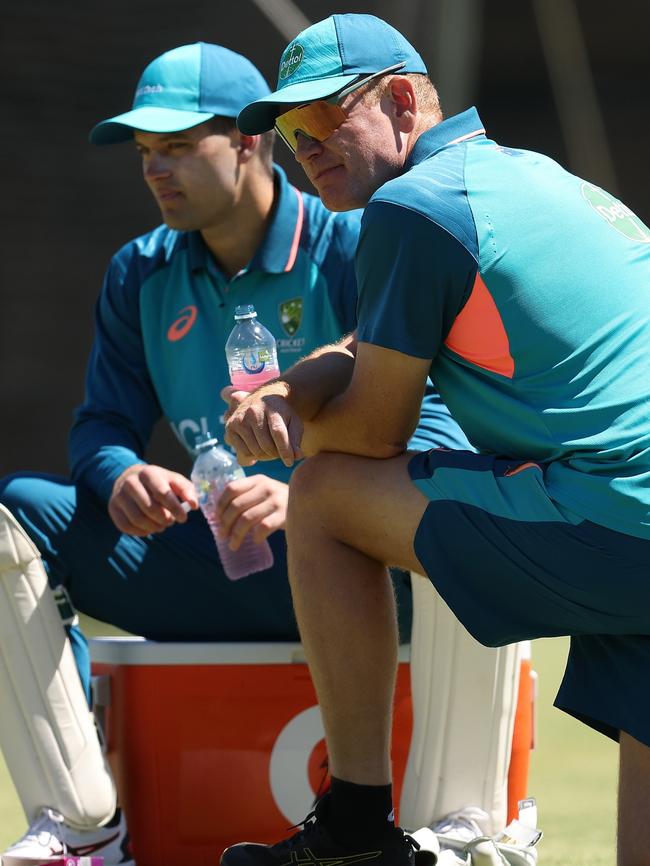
(317, 120)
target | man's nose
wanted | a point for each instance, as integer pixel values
(156, 166)
(306, 147)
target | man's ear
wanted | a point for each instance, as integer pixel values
(403, 97)
(247, 146)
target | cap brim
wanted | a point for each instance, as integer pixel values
(260, 115)
(148, 118)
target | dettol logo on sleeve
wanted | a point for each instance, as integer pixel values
(618, 215)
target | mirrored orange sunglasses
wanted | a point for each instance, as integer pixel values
(318, 120)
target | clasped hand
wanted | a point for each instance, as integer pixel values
(262, 426)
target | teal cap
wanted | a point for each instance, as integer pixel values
(326, 57)
(184, 87)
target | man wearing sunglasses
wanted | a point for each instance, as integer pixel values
(525, 293)
(234, 231)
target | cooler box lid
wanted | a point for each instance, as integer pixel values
(129, 650)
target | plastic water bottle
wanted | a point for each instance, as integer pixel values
(213, 468)
(251, 351)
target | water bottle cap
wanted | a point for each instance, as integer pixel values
(205, 440)
(245, 311)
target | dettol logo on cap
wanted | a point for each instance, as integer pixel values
(618, 215)
(291, 60)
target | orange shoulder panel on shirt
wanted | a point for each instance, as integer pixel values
(478, 333)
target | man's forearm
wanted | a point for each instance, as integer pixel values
(362, 400)
(315, 379)
(377, 411)
(342, 425)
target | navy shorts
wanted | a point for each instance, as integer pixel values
(514, 565)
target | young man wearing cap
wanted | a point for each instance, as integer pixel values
(525, 293)
(235, 231)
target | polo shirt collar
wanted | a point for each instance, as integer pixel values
(279, 248)
(199, 255)
(453, 130)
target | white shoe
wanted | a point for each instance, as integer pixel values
(50, 838)
(460, 834)
(488, 852)
(462, 840)
(458, 828)
(429, 853)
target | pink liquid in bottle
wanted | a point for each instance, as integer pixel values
(249, 381)
(213, 469)
(249, 558)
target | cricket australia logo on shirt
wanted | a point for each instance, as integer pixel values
(618, 215)
(291, 315)
(291, 60)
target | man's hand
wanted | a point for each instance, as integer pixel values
(256, 505)
(263, 427)
(148, 499)
(233, 398)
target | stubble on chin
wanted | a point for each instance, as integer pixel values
(178, 221)
(338, 201)
(171, 221)
(340, 204)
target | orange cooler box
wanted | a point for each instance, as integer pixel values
(213, 744)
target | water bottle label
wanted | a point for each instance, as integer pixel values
(204, 489)
(255, 361)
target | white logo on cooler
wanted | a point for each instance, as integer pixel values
(289, 766)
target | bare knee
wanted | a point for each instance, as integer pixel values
(310, 491)
(324, 497)
(314, 480)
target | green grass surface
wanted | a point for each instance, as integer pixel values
(573, 776)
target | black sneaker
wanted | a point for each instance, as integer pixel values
(313, 846)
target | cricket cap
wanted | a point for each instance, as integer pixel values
(184, 87)
(326, 57)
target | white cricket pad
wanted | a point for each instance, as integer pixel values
(464, 704)
(47, 732)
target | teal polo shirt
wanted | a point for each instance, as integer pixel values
(165, 313)
(528, 288)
